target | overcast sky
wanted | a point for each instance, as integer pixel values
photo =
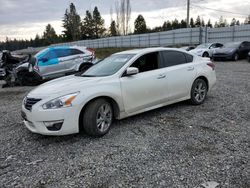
(22, 19)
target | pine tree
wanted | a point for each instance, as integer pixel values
(98, 22)
(140, 25)
(192, 23)
(202, 23)
(183, 24)
(175, 24)
(233, 22)
(167, 26)
(209, 24)
(113, 29)
(88, 26)
(49, 35)
(198, 22)
(72, 24)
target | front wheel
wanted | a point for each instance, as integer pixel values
(236, 57)
(97, 118)
(198, 92)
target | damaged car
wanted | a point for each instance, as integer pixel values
(8, 63)
(50, 63)
(54, 62)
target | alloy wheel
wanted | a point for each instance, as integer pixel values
(200, 92)
(104, 117)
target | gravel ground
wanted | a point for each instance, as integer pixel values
(175, 146)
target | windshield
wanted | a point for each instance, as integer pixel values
(206, 45)
(108, 66)
(231, 45)
(41, 53)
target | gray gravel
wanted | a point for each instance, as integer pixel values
(175, 146)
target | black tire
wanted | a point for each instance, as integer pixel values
(92, 115)
(198, 92)
(205, 54)
(84, 67)
(26, 78)
(236, 57)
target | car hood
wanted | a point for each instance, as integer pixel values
(224, 50)
(64, 85)
(197, 50)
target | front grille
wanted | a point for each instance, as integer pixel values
(30, 102)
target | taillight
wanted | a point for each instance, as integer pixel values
(212, 65)
(91, 50)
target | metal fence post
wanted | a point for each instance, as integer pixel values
(200, 36)
(233, 34)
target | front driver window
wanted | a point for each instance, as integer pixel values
(147, 62)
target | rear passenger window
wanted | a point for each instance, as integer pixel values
(172, 58)
(189, 58)
(62, 52)
(75, 52)
(147, 62)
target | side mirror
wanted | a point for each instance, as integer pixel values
(132, 71)
(44, 60)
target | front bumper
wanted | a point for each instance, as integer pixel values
(36, 120)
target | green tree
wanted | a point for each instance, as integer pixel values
(140, 25)
(88, 26)
(175, 24)
(233, 22)
(247, 21)
(209, 24)
(202, 23)
(198, 22)
(98, 22)
(192, 23)
(167, 26)
(72, 24)
(49, 35)
(183, 24)
(113, 29)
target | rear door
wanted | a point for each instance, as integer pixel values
(147, 88)
(180, 72)
(74, 60)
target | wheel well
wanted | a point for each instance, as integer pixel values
(205, 53)
(85, 64)
(115, 106)
(205, 79)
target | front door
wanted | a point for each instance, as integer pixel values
(147, 88)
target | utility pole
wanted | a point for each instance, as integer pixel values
(188, 9)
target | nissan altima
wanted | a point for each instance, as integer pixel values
(122, 85)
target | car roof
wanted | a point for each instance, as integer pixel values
(148, 50)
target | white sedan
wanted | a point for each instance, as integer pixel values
(206, 49)
(122, 85)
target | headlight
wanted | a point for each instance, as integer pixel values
(61, 102)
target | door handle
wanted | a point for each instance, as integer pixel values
(161, 76)
(190, 68)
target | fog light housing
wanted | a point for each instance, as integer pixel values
(53, 125)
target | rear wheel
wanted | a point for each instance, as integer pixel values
(198, 91)
(236, 57)
(205, 54)
(97, 118)
(26, 78)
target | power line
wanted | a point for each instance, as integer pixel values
(202, 7)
